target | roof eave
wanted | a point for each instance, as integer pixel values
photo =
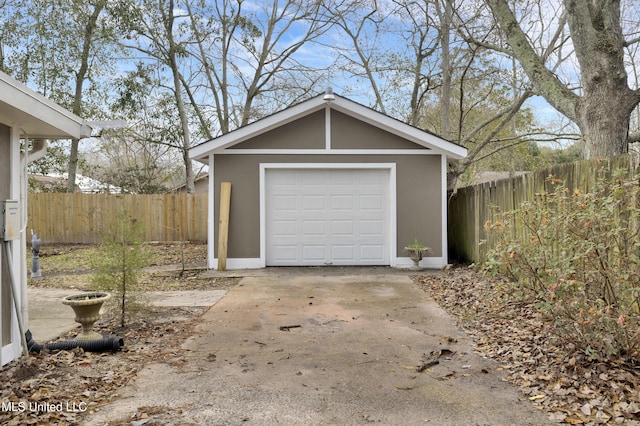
(35, 115)
(437, 144)
(397, 127)
(199, 152)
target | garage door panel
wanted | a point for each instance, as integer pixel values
(327, 216)
(285, 203)
(311, 178)
(342, 228)
(372, 252)
(282, 181)
(372, 228)
(371, 202)
(342, 202)
(342, 179)
(286, 228)
(313, 203)
(343, 254)
(285, 253)
(314, 253)
(314, 228)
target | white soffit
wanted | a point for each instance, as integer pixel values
(35, 115)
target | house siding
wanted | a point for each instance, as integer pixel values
(305, 133)
(418, 186)
(350, 133)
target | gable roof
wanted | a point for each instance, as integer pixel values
(35, 115)
(340, 104)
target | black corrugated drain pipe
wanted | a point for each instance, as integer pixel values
(112, 344)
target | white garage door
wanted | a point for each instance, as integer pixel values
(327, 217)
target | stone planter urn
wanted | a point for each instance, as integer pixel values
(416, 252)
(87, 309)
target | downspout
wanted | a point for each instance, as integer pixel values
(37, 151)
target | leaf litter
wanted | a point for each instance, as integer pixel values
(569, 387)
(59, 387)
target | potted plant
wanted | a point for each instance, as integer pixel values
(87, 309)
(416, 251)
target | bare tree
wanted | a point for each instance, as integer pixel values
(87, 51)
(62, 55)
(425, 35)
(153, 29)
(124, 158)
(247, 59)
(602, 104)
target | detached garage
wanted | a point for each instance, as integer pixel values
(329, 182)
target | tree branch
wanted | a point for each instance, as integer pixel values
(628, 43)
(547, 83)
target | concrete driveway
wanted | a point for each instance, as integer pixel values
(325, 350)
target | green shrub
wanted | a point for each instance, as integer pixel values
(578, 256)
(119, 262)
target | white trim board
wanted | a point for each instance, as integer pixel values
(211, 223)
(445, 217)
(253, 263)
(343, 105)
(239, 263)
(330, 151)
(391, 167)
(400, 263)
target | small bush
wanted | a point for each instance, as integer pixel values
(119, 261)
(577, 255)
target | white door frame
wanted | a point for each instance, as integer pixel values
(391, 167)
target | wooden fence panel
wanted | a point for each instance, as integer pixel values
(81, 218)
(471, 207)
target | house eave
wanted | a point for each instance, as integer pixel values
(34, 115)
(420, 137)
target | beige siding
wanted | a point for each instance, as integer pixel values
(305, 133)
(350, 133)
(419, 212)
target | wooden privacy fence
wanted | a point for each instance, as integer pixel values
(472, 206)
(80, 218)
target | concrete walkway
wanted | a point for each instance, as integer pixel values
(49, 318)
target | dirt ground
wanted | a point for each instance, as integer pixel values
(567, 387)
(152, 335)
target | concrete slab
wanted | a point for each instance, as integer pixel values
(317, 350)
(49, 318)
(321, 271)
(186, 298)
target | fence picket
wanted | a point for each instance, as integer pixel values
(61, 218)
(471, 207)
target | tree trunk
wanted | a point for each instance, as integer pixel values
(81, 76)
(445, 99)
(603, 109)
(172, 62)
(604, 124)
